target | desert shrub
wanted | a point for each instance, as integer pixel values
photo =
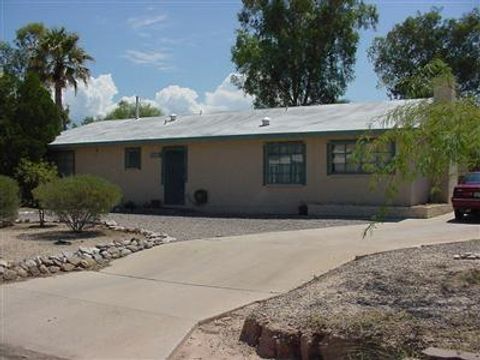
(30, 175)
(78, 200)
(9, 200)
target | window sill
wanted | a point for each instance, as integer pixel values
(132, 169)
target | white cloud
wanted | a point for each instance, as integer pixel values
(227, 97)
(145, 21)
(176, 99)
(97, 99)
(93, 99)
(154, 58)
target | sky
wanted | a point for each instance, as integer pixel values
(175, 54)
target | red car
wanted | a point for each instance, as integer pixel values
(466, 196)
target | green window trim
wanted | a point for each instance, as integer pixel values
(284, 163)
(133, 158)
(349, 167)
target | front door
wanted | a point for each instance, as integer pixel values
(174, 172)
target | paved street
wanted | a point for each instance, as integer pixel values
(143, 305)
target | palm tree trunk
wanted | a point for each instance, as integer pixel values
(59, 103)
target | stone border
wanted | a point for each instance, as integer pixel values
(85, 258)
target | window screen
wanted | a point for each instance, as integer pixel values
(284, 163)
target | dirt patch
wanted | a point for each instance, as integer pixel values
(384, 306)
(26, 240)
(218, 339)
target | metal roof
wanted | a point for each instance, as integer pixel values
(294, 121)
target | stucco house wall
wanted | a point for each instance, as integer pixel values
(232, 173)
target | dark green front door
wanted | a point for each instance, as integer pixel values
(174, 167)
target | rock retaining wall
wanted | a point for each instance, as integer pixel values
(85, 258)
(271, 342)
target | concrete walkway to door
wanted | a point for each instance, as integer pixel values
(143, 305)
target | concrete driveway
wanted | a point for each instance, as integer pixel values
(143, 305)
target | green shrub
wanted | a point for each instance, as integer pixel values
(9, 199)
(30, 175)
(78, 200)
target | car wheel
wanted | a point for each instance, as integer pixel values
(458, 215)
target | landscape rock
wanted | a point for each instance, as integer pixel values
(102, 246)
(67, 267)
(98, 258)
(132, 248)
(87, 263)
(33, 270)
(10, 275)
(23, 265)
(106, 255)
(43, 269)
(46, 261)
(30, 263)
(114, 252)
(266, 347)
(251, 331)
(74, 260)
(53, 269)
(158, 241)
(125, 252)
(21, 272)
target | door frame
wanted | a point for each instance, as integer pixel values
(165, 150)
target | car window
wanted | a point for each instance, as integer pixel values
(472, 178)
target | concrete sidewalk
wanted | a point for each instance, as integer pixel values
(143, 305)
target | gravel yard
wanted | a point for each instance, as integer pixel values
(199, 227)
(27, 240)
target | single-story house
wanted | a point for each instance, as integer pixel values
(265, 161)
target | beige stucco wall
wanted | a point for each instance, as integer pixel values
(108, 162)
(232, 173)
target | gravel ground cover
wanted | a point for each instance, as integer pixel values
(397, 302)
(188, 227)
(27, 240)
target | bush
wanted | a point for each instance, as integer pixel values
(78, 200)
(9, 200)
(30, 175)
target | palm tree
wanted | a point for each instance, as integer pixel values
(64, 62)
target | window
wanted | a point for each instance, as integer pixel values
(341, 160)
(133, 158)
(65, 161)
(284, 163)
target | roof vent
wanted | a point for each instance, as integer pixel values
(265, 121)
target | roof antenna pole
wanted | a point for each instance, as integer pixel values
(137, 107)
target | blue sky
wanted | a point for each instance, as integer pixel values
(179, 47)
